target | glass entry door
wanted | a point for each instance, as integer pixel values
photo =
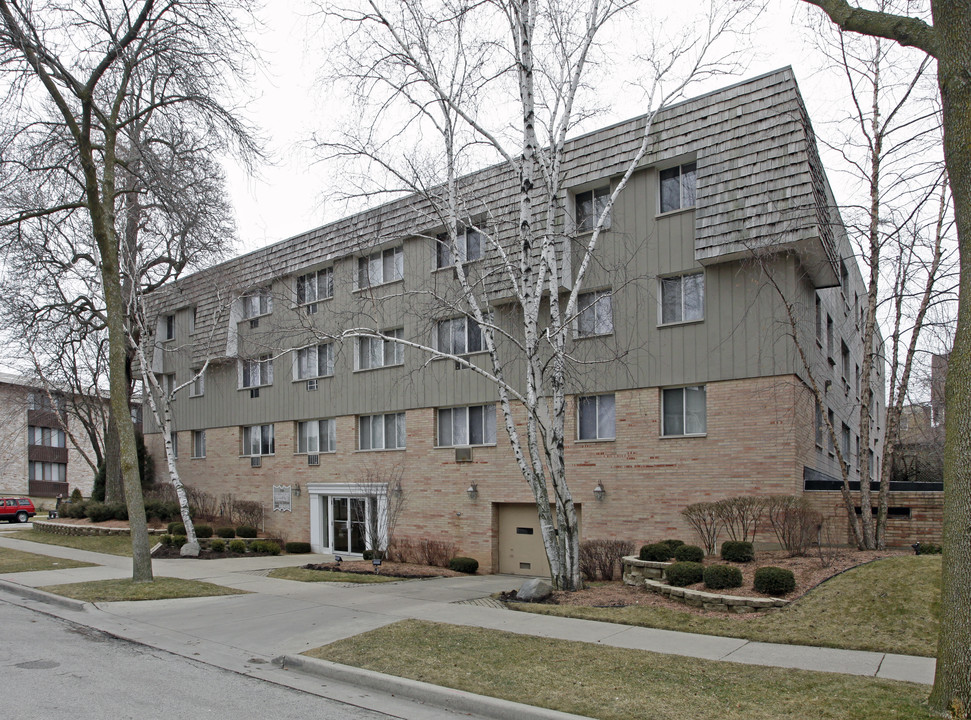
(348, 524)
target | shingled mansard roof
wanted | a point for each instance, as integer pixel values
(760, 185)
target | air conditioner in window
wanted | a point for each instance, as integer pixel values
(463, 454)
(256, 461)
(311, 385)
(311, 308)
(254, 393)
(254, 323)
(313, 459)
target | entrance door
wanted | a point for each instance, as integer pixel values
(348, 524)
(521, 550)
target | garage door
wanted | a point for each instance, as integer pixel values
(521, 549)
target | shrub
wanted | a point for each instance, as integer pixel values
(657, 552)
(226, 532)
(217, 545)
(119, 511)
(247, 512)
(368, 554)
(265, 547)
(680, 574)
(673, 544)
(76, 495)
(464, 565)
(176, 528)
(295, 548)
(421, 552)
(74, 509)
(928, 549)
(178, 540)
(717, 577)
(599, 558)
(246, 531)
(703, 517)
(237, 546)
(166, 540)
(740, 516)
(774, 581)
(737, 551)
(689, 553)
(98, 512)
(204, 531)
(161, 510)
(796, 525)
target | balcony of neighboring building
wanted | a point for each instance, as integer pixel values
(47, 488)
(47, 418)
(45, 453)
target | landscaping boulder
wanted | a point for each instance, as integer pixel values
(190, 549)
(534, 590)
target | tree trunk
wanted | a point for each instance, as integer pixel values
(114, 492)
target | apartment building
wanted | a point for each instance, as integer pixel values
(686, 382)
(36, 456)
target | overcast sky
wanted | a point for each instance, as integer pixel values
(292, 195)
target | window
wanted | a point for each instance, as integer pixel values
(193, 319)
(166, 383)
(174, 436)
(258, 440)
(317, 436)
(858, 454)
(595, 315)
(48, 437)
(168, 327)
(314, 361)
(475, 425)
(819, 426)
(198, 443)
(381, 432)
(845, 444)
(678, 187)
(256, 303)
(819, 320)
(683, 298)
(470, 244)
(829, 434)
(683, 411)
(45, 403)
(590, 205)
(315, 286)
(595, 417)
(257, 372)
(380, 267)
(459, 336)
(198, 386)
(376, 352)
(47, 471)
(845, 356)
(830, 339)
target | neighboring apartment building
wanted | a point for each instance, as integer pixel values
(36, 456)
(688, 386)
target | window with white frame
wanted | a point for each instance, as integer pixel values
(683, 411)
(377, 352)
(47, 471)
(472, 425)
(256, 303)
(168, 327)
(470, 243)
(198, 443)
(678, 187)
(258, 440)
(315, 286)
(198, 386)
(46, 436)
(316, 436)
(314, 361)
(460, 336)
(596, 418)
(595, 314)
(381, 432)
(683, 298)
(590, 205)
(257, 372)
(380, 267)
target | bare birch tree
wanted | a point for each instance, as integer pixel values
(504, 82)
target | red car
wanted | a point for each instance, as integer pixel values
(16, 509)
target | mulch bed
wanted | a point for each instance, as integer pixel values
(391, 569)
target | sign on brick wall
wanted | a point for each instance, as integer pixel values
(281, 498)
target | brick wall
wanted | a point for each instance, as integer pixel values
(923, 525)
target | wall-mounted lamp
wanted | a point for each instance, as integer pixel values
(599, 492)
(296, 490)
(396, 490)
(473, 491)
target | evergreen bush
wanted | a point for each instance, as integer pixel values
(774, 581)
(689, 553)
(681, 574)
(464, 565)
(737, 551)
(246, 531)
(237, 546)
(718, 577)
(226, 532)
(656, 552)
(294, 548)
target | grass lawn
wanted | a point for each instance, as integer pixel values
(12, 561)
(304, 575)
(615, 683)
(891, 605)
(109, 544)
(162, 588)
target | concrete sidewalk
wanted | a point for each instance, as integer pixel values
(281, 618)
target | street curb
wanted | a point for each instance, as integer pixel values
(443, 697)
(41, 596)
